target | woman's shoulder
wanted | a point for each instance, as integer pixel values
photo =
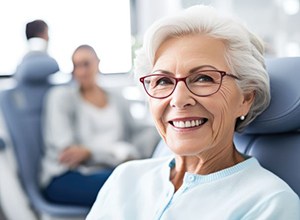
(264, 179)
(62, 96)
(114, 94)
(116, 98)
(63, 92)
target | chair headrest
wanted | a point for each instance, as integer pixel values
(283, 113)
(35, 68)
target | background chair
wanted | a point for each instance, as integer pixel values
(22, 110)
(2, 146)
(11, 190)
(274, 137)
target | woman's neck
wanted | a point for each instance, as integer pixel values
(206, 163)
(89, 89)
(94, 95)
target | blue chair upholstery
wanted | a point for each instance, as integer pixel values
(22, 109)
(274, 137)
(2, 144)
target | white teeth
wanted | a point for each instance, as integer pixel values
(188, 124)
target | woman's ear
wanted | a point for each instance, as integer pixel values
(248, 99)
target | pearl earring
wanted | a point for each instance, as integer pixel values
(242, 117)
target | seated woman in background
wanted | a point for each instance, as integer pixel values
(205, 77)
(87, 131)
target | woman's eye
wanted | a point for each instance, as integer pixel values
(163, 81)
(203, 78)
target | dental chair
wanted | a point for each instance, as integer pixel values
(22, 110)
(274, 137)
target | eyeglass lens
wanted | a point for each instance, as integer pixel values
(200, 83)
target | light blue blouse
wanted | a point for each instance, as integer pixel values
(141, 190)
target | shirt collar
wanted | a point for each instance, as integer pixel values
(37, 44)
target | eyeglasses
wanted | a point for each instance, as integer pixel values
(201, 83)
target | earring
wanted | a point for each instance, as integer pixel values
(242, 117)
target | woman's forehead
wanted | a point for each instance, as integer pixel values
(190, 51)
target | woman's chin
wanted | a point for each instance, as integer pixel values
(184, 149)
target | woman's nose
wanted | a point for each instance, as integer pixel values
(181, 96)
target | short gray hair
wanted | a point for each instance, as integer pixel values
(244, 50)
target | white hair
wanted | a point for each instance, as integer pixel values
(244, 50)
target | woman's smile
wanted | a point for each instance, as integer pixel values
(187, 123)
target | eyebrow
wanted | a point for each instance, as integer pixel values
(162, 72)
(193, 70)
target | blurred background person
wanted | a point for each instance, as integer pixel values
(37, 38)
(88, 131)
(37, 35)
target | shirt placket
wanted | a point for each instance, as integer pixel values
(171, 197)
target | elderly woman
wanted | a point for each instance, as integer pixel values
(205, 78)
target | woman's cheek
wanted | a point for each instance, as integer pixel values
(157, 115)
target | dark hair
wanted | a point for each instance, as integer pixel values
(35, 28)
